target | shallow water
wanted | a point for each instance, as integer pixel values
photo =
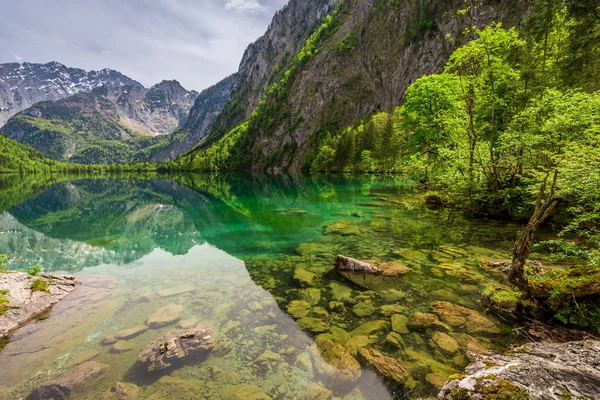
(253, 258)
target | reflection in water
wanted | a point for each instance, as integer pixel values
(179, 241)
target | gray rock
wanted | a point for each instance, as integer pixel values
(23, 304)
(174, 347)
(547, 371)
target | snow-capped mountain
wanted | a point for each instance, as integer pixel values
(22, 85)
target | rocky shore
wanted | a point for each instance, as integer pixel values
(25, 302)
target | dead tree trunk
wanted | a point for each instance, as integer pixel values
(522, 247)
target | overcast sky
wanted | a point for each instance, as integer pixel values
(197, 42)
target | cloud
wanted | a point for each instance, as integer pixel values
(17, 57)
(243, 5)
(196, 42)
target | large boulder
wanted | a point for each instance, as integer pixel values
(174, 347)
(24, 304)
(370, 274)
(536, 371)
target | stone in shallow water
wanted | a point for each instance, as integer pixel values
(74, 381)
(306, 278)
(304, 362)
(165, 315)
(433, 365)
(370, 327)
(312, 324)
(336, 362)
(339, 335)
(312, 249)
(174, 347)
(389, 367)
(395, 340)
(364, 308)
(340, 292)
(358, 342)
(458, 316)
(298, 308)
(370, 274)
(81, 358)
(316, 391)
(122, 391)
(254, 306)
(267, 357)
(127, 334)
(343, 228)
(122, 346)
(445, 342)
(222, 347)
(244, 392)
(399, 323)
(179, 388)
(435, 380)
(311, 295)
(419, 321)
(469, 343)
(389, 309)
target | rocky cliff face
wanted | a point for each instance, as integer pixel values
(22, 85)
(268, 56)
(379, 47)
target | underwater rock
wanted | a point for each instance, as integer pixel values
(304, 362)
(122, 391)
(306, 278)
(420, 321)
(267, 357)
(435, 380)
(313, 249)
(187, 323)
(469, 343)
(445, 342)
(298, 308)
(74, 381)
(370, 327)
(339, 335)
(127, 334)
(312, 324)
(412, 255)
(340, 292)
(316, 391)
(462, 317)
(399, 322)
(369, 274)
(122, 346)
(390, 309)
(166, 315)
(343, 228)
(364, 308)
(81, 358)
(311, 295)
(336, 306)
(222, 347)
(357, 342)
(426, 359)
(395, 340)
(24, 304)
(244, 392)
(336, 362)
(173, 347)
(392, 295)
(254, 306)
(178, 388)
(319, 312)
(536, 371)
(389, 367)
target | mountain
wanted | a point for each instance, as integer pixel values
(109, 124)
(326, 70)
(23, 85)
(206, 109)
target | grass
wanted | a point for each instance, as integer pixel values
(39, 285)
(3, 302)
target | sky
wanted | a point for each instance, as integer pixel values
(197, 42)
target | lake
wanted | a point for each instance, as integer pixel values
(252, 257)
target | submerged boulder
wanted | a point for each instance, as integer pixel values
(336, 362)
(174, 347)
(388, 367)
(73, 382)
(462, 317)
(166, 315)
(370, 274)
(536, 371)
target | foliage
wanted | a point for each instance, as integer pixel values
(2, 263)
(39, 285)
(34, 270)
(3, 302)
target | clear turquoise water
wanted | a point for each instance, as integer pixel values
(234, 243)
